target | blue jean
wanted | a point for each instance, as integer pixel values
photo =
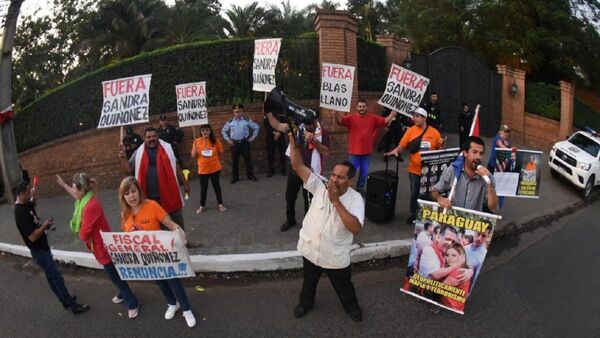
(56, 281)
(361, 165)
(173, 291)
(125, 292)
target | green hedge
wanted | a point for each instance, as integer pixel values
(544, 99)
(225, 65)
(372, 72)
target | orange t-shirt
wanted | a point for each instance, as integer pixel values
(148, 217)
(531, 166)
(208, 156)
(430, 141)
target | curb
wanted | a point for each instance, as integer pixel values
(270, 261)
(291, 260)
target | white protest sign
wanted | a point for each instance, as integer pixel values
(148, 255)
(126, 101)
(191, 104)
(404, 90)
(266, 52)
(336, 86)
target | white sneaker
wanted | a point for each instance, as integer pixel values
(117, 300)
(171, 311)
(189, 318)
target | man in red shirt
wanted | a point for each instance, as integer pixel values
(361, 136)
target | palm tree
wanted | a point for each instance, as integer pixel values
(124, 28)
(247, 21)
(289, 22)
(191, 22)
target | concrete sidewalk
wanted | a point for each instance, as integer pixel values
(247, 236)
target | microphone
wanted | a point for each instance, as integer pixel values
(485, 177)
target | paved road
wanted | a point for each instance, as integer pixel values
(542, 283)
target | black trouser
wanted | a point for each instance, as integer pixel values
(243, 148)
(294, 184)
(341, 279)
(214, 179)
(462, 136)
(415, 186)
(273, 144)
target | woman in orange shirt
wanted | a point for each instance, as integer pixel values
(139, 213)
(207, 150)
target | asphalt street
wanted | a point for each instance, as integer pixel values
(541, 283)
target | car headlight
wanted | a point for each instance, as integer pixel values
(584, 166)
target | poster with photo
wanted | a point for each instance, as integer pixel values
(518, 172)
(433, 164)
(448, 251)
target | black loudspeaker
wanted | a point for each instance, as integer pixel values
(277, 103)
(382, 187)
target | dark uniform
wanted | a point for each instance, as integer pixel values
(434, 115)
(465, 119)
(132, 142)
(172, 135)
(273, 144)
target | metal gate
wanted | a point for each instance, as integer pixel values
(458, 75)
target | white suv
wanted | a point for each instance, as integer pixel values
(578, 160)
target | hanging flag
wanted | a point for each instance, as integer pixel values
(475, 125)
(6, 114)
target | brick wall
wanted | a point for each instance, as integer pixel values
(95, 151)
(540, 132)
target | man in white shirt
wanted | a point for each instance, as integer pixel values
(335, 216)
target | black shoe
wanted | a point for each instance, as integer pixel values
(252, 178)
(67, 306)
(300, 311)
(410, 220)
(286, 226)
(233, 180)
(79, 308)
(270, 173)
(356, 315)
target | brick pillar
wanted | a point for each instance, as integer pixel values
(513, 105)
(395, 51)
(567, 111)
(337, 44)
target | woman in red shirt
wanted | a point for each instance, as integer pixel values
(139, 213)
(456, 257)
(88, 221)
(207, 149)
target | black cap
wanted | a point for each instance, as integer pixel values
(163, 117)
(237, 106)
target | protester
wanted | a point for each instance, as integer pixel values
(361, 137)
(207, 150)
(155, 167)
(141, 214)
(434, 113)
(88, 221)
(501, 140)
(393, 132)
(171, 134)
(471, 187)
(236, 132)
(335, 216)
(33, 232)
(465, 119)
(131, 141)
(456, 259)
(275, 141)
(419, 137)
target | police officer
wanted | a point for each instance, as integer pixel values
(434, 114)
(236, 132)
(170, 134)
(131, 141)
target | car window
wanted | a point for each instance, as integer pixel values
(586, 144)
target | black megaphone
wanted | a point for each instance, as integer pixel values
(277, 103)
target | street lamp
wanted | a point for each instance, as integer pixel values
(514, 89)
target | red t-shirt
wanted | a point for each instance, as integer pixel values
(92, 222)
(361, 132)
